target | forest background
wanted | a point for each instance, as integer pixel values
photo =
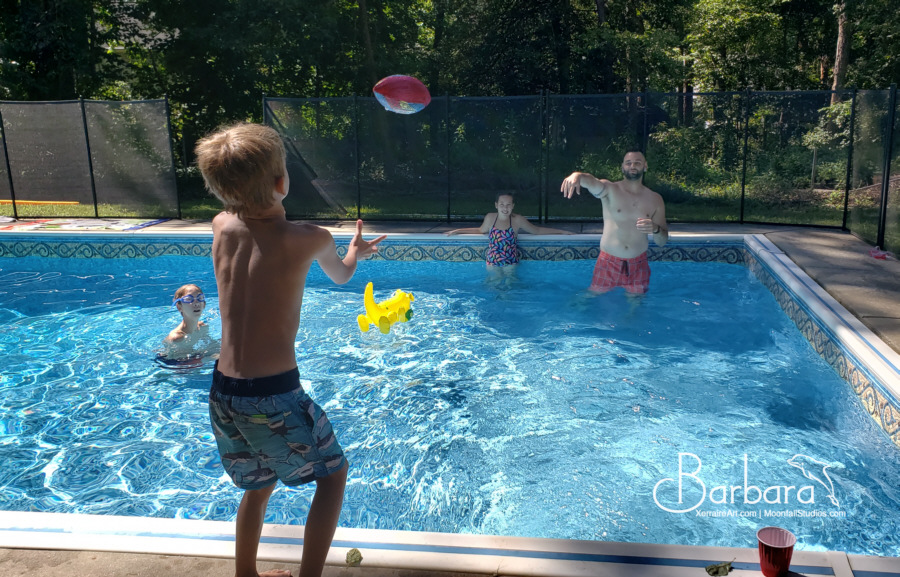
(215, 60)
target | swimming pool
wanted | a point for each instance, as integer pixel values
(473, 471)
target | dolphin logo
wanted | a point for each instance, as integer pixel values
(816, 471)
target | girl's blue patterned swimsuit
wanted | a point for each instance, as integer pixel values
(503, 248)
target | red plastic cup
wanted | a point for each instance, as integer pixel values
(776, 546)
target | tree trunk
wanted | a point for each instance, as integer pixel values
(561, 35)
(371, 78)
(842, 52)
(601, 11)
(687, 90)
(371, 74)
(437, 47)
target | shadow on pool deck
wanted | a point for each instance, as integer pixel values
(837, 261)
(15, 562)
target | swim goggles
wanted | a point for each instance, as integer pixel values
(188, 299)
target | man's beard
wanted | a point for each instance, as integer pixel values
(629, 176)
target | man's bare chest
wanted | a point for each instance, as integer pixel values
(626, 206)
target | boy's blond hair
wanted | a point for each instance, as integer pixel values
(240, 165)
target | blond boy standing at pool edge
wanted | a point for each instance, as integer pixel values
(267, 428)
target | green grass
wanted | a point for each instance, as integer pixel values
(864, 223)
(80, 211)
(200, 208)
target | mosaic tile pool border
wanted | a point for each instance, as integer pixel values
(396, 249)
(877, 400)
(102, 247)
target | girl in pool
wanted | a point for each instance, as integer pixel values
(502, 228)
(181, 344)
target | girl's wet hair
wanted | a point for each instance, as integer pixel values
(184, 289)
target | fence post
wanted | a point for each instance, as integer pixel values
(12, 190)
(541, 191)
(356, 155)
(87, 143)
(447, 152)
(886, 172)
(849, 160)
(645, 136)
(172, 155)
(744, 154)
(544, 205)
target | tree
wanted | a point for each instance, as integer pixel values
(842, 52)
(734, 44)
(874, 61)
(215, 59)
(57, 49)
(498, 47)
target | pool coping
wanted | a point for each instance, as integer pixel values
(493, 554)
(409, 550)
(864, 361)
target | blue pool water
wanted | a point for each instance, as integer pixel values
(525, 410)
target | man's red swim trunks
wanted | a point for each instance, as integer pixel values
(633, 274)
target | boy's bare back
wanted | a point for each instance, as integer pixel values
(261, 267)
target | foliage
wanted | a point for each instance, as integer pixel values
(215, 59)
(57, 49)
(833, 128)
(876, 44)
(733, 41)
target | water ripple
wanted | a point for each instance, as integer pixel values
(525, 411)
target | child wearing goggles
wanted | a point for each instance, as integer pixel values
(181, 342)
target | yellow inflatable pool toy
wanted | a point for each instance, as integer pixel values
(384, 314)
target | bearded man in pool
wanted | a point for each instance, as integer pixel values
(631, 212)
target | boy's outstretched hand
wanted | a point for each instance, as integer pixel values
(364, 249)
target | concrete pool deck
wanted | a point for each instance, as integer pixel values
(839, 262)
